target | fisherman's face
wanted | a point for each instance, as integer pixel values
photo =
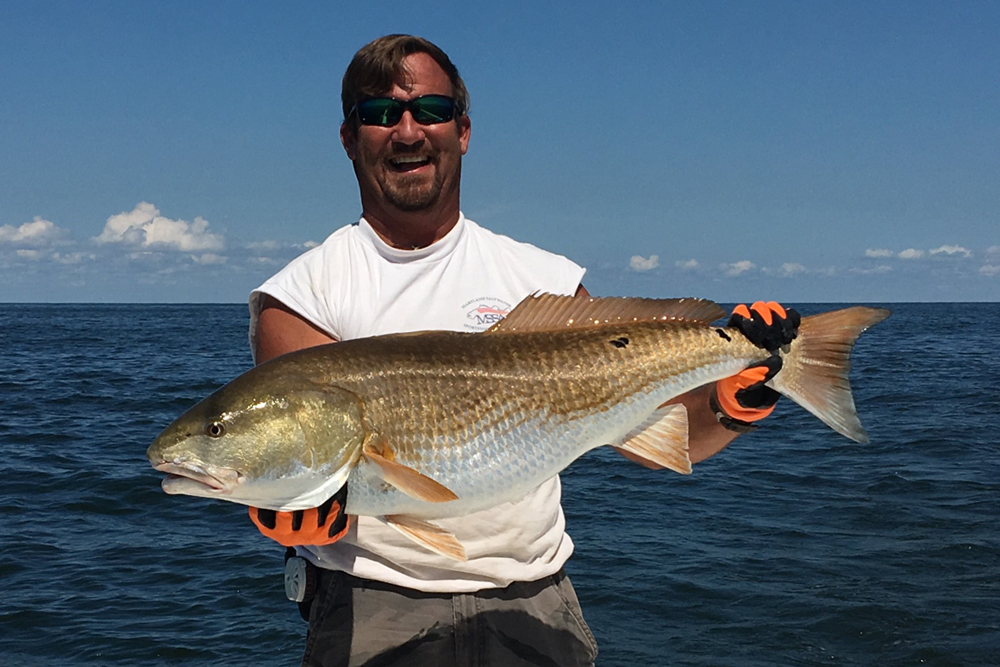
(409, 166)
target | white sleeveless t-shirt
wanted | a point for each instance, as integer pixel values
(355, 285)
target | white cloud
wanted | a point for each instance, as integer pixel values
(144, 227)
(30, 254)
(736, 268)
(911, 253)
(687, 265)
(791, 268)
(36, 232)
(989, 270)
(208, 258)
(72, 257)
(993, 250)
(951, 250)
(263, 245)
(881, 268)
(785, 270)
(878, 252)
(640, 263)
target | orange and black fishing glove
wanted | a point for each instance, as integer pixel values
(317, 526)
(744, 398)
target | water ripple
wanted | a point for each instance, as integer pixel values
(793, 547)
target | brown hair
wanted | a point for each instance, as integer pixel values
(379, 64)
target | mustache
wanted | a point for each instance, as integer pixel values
(402, 150)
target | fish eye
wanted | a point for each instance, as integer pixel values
(216, 429)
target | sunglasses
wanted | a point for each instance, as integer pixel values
(387, 111)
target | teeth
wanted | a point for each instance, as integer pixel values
(409, 160)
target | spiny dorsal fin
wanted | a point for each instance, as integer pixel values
(433, 537)
(662, 440)
(547, 312)
(404, 478)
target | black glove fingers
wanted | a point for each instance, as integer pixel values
(324, 510)
(337, 502)
(759, 395)
(267, 518)
(790, 326)
(780, 332)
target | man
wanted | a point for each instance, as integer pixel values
(415, 262)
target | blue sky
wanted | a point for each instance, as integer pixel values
(798, 151)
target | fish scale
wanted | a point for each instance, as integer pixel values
(439, 424)
(564, 393)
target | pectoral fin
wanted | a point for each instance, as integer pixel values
(404, 478)
(662, 440)
(433, 537)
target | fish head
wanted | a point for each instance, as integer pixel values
(264, 440)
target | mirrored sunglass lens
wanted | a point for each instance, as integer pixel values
(380, 111)
(432, 109)
(426, 110)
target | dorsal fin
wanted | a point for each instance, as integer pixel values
(547, 312)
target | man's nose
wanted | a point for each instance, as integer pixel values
(407, 130)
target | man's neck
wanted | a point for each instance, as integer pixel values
(411, 230)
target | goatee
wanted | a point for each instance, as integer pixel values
(412, 194)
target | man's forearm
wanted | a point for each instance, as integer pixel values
(706, 436)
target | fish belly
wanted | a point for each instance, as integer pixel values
(491, 469)
(503, 464)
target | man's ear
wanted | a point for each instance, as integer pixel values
(464, 132)
(349, 139)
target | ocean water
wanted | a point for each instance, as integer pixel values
(794, 546)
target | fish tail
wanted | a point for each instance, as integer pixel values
(815, 368)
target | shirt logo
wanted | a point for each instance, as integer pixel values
(484, 312)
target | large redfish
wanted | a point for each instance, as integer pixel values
(439, 424)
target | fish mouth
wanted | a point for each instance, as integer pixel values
(212, 478)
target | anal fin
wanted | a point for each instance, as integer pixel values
(404, 478)
(433, 537)
(661, 441)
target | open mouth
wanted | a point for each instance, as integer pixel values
(192, 471)
(407, 163)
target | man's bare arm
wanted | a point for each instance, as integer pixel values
(706, 436)
(281, 330)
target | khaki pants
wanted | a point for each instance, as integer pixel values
(354, 622)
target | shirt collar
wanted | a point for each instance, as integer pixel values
(434, 251)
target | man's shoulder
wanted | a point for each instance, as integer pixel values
(505, 243)
(339, 236)
(335, 242)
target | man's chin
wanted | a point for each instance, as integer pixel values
(413, 206)
(414, 199)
